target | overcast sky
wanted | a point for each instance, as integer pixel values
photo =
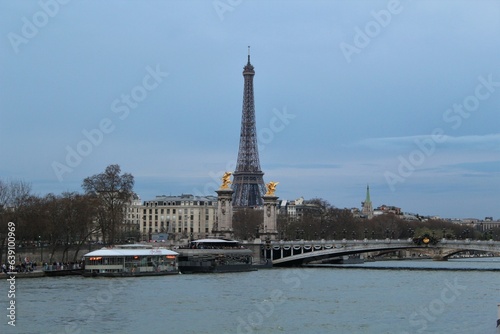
(403, 96)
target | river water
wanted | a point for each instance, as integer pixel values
(288, 300)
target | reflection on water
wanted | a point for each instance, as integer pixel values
(289, 300)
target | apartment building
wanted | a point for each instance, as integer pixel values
(184, 216)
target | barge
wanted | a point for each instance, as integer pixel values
(215, 256)
(130, 260)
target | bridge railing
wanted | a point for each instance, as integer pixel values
(280, 249)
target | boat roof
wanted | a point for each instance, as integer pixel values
(207, 241)
(131, 252)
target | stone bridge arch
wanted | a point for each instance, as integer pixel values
(291, 253)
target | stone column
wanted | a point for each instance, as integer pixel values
(270, 228)
(224, 219)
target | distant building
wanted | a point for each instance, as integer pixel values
(385, 209)
(297, 208)
(366, 206)
(177, 217)
(130, 228)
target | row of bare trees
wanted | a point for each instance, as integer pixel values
(324, 221)
(69, 220)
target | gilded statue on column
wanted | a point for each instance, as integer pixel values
(271, 188)
(226, 180)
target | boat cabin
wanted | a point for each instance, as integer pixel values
(214, 244)
(131, 260)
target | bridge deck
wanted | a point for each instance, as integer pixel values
(303, 251)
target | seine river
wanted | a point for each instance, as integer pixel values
(302, 300)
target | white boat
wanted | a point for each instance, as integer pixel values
(130, 260)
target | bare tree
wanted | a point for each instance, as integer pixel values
(13, 196)
(246, 223)
(112, 192)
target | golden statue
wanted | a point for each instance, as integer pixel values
(271, 188)
(226, 180)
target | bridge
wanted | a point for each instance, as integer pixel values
(293, 253)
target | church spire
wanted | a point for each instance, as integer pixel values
(367, 208)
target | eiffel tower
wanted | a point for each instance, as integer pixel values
(248, 182)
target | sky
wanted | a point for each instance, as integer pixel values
(403, 96)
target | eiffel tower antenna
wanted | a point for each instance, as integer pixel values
(248, 182)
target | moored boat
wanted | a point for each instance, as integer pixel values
(130, 260)
(62, 270)
(214, 256)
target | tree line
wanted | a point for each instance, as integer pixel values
(69, 220)
(326, 221)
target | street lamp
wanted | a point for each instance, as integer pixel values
(41, 249)
(366, 232)
(344, 232)
(444, 233)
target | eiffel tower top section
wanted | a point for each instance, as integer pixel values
(248, 154)
(248, 182)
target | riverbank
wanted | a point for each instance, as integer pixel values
(28, 274)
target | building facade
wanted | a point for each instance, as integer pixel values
(184, 216)
(296, 209)
(176, 217)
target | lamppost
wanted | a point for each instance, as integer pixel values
(373, 234)
(444, 233)
(41, 249)
(387, 233)
(353, 235)
(366, 232)
(344, 232)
